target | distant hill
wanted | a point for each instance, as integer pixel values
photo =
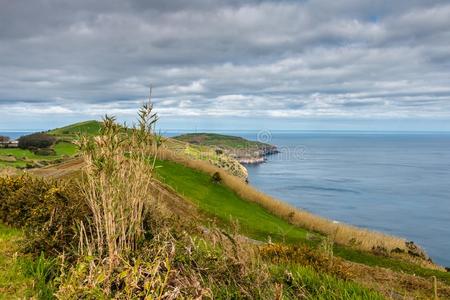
(90, 127)
(245, 151)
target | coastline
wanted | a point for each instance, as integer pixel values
(341, 233)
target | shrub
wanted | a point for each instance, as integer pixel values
(216, 178)
(44, 152)
(47, 210)
(36, 140)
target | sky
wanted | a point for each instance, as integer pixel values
(297, 65)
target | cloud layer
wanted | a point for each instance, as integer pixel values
(263, 59)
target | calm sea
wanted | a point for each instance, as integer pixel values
(396, 183)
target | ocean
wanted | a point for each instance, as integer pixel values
(14, 134)
(393, 182)
(397, 183)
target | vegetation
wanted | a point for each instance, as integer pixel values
(219, 140)
(120, 227)
(243, 150)
(71, 132)
(13, 282)
(22, 158)
(225, 206)
(36, 141)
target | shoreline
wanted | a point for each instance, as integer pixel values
(341, 233)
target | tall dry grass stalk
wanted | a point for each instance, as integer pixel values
(117, 185)
(343, 234)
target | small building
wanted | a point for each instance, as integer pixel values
(9, 144)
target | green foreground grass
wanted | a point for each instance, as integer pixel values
(21, 276)
(14, 284)
(255, 222)
(322, 286)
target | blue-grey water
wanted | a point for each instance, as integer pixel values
(14, 134)
(397, 183)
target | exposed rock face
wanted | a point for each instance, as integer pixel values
(231, 165)
(253, 157)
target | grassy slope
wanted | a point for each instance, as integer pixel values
(219, 201)
(88, 127)
(322, 286)
(13, 283)
(222, 203)
(213, 139)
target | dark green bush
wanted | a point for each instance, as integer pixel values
(44, 152)
(36, 141)
(216, 178)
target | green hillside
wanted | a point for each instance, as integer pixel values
(221, 203)
(219, 140)
(91, 127)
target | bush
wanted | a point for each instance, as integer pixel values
(36, 141)
(47, 210)
(216, 178)
(44, 152)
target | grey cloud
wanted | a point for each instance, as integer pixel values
(266, 58)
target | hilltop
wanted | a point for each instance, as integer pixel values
(240, 242)
(91, 127)
(243, 150)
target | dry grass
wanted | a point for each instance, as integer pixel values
(395, 285)
(8, 171)
(340, 233)
(117, 185)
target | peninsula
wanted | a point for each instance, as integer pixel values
(243, 150)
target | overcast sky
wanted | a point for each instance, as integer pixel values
(379, 65)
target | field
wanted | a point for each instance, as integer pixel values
(15, 157)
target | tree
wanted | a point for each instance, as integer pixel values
(36, 141)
